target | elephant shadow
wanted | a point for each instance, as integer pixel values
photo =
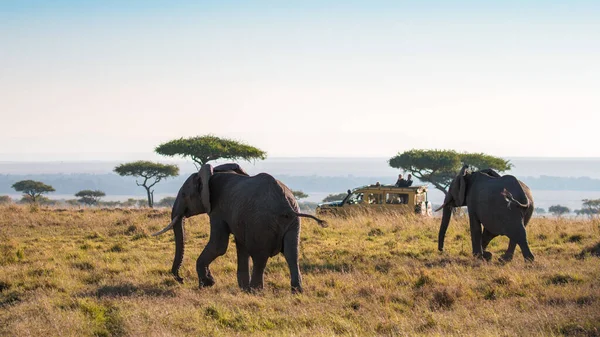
(131, 290)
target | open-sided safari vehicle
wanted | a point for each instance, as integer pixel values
(380, 199)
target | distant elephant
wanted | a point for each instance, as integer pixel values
(502, 204)
(260, 211)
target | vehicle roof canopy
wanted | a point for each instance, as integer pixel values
(392, 188)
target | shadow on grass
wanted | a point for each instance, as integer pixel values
(339, 267)
(130, 290)
(448, 261)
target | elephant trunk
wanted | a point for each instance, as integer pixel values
(444, 226)
(177, 216)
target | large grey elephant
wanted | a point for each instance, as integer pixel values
(502, 204)
(260, 211)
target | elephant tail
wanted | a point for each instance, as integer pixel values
(509, 199)
(321, 223)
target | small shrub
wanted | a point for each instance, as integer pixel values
(591, 251)
(116, 248)
(442, 299)
(83, 266)
(376, 232)
(561, 279)
(423, 280)
(490, 294)
(575, 238)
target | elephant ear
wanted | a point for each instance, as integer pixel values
(231, 167)
(459, 193)
(206, 171)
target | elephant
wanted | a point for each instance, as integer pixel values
(502, 204)
(260, 211)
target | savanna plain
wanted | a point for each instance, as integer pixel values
(94, 272)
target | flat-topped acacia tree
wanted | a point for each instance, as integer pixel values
(32, 189)
(90, 197)
(202, 149)
(152, 173)
(439, 167)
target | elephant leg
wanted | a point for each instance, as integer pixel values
(520, 237)
(216, 246)
(510, 251)
(486, 237)
(259, 263)
(290, 251)
(475, 225)
(243, 272)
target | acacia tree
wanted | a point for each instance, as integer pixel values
(202, 149)
(439, 167)
(299, 195)
(32, 190)
(152, 173)
(590, 207)
(90, 197)
(558, 210)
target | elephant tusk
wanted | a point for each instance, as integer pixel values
(169, 226)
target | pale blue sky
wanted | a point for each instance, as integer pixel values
(101, 79)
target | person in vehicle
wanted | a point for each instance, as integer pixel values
(409, 180)
(401, 182)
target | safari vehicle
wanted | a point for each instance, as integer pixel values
(380, 199)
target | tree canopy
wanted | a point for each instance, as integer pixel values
(590, 207)
(558, 210)
(32, 189)
(202, 149)
(151, 172)
(90, 197)
(299, 194)
(439, 167)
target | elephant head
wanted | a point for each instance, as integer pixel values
(456, 197)
(192, 199)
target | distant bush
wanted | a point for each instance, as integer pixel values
(5, 199)
(166, 202)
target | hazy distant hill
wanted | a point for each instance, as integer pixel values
(360, 167)
(315, 176)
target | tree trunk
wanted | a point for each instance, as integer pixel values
(150, 201)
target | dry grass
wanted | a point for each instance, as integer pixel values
(86, 273)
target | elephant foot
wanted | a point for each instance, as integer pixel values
(253, 290)
(297, 290)
(487, 256)
(529, 259)
(178, 279)
(207, 282)
(506, 258)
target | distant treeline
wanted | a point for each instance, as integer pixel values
(113, 184)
